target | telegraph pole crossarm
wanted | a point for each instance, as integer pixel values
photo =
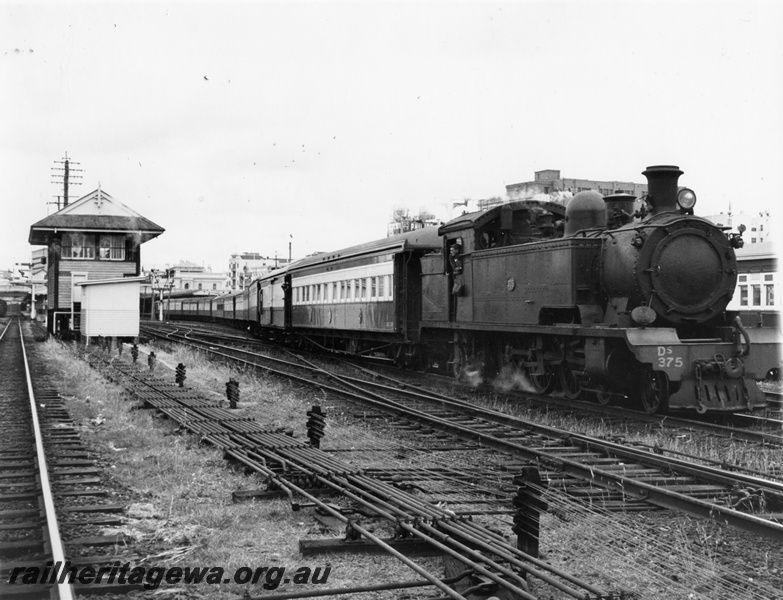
(68, 173)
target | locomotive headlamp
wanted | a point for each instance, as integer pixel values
(686, 199)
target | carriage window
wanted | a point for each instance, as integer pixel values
(381, 281)
(743, 295)
(756, 295)
(770, 293)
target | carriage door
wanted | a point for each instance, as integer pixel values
(259, 301)
(287, 301)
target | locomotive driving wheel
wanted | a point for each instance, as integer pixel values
(569, 382)
(459, 360)
(603, 396)
(652, 391)
(540, 374)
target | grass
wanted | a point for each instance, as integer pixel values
(181, 510)
(179, 491)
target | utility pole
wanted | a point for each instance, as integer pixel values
(67, 175)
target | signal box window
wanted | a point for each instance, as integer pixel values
(78, 245)
(112, 247)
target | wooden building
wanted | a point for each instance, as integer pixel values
(110, 308)
(94, 238)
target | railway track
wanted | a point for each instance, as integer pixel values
(52, 504)
(305, 473)
(760, 431)
(663, 481)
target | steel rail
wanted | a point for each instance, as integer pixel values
(290, 458)
(707, 472)
(657, 496)
(701, 471)
(653, 494)
(64, 590)
(375, 495)
(400, 514)
(272, 476)
(688, 424)
(381, 587)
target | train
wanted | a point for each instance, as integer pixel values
(615, 298)
(3, 307)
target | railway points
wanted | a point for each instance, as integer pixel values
(438, 443)
(600, 462)
(296, 468)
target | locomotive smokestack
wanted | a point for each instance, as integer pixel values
(662, 188)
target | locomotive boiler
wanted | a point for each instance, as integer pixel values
(616, 298)
(624, 304)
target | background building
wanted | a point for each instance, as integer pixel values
(549, 185)
(758, 226)
(186, 275)
(244, 267)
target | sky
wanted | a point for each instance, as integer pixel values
(243, 126)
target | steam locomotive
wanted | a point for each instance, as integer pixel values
(598, 298)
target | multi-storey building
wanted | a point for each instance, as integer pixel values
(244, 267)
(758, 225)
(187, 275)
(550, 183)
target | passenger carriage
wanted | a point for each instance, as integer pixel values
(365, 298)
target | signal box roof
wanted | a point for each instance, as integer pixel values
(97, 212)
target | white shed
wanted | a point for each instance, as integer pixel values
(110, 307)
